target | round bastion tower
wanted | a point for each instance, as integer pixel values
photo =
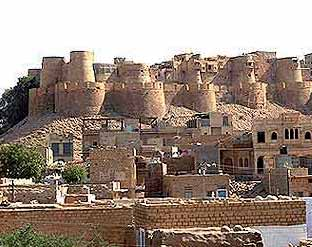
(81, 66)
(136, 94)
(205, 99)
(202, 95)
(79, 94)
(302, 88)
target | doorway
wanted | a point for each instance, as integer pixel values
(260, 165)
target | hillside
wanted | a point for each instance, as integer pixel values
(35, 131)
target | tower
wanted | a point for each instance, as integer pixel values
(81, 67)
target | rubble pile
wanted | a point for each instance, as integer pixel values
(242, 188)
(243, 117)
(304, 243)
(217, 237)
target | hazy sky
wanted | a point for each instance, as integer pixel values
(147, 30)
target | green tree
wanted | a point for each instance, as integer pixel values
(14, 102)
(75, 174)
(19, 161)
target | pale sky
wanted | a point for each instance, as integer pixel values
(147, 30)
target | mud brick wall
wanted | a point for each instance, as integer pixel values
(110, 223)
(219, 213)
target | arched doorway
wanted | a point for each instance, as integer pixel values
(260, 165)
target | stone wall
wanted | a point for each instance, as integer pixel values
(113, 164)
(41, 100)
(197, 237)
(26, 193)
(108, 222)
(218, 213)
(101, 191)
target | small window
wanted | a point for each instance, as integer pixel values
(188, 193)
(225, 121)
(56, 149)
(291, 134)
(246, 163)
(261, 137)
(205, 122)
(287, 134)
(94, 144)
(283, 150)
(67, 149)
(241, 162)
(307, 135)
(310, 180)
(209, 193)
(274, 136)
(222, 193)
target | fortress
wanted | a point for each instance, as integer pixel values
(82, 87)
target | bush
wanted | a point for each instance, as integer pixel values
(75, 174)
(18, 161)
(27, 237)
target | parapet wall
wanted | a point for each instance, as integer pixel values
(108, 222)
(111, 222)
(218, 213)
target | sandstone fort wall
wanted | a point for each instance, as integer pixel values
(84, 98)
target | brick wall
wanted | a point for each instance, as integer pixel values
(109, 223)
(219, 213)
(112, 223)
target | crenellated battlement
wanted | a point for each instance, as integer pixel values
(137, 86)
(72, 86)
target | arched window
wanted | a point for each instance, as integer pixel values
(291, 134)
(307, 135)
(241, 162)
(286, 133)
(274, 136)
(296, 134)
(246, 163)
